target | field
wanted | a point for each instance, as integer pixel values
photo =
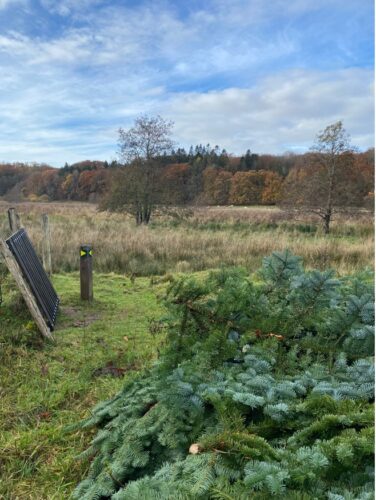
(45, 387)
(195, 240)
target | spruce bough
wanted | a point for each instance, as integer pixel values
(263, 390)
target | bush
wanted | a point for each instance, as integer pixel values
(264, 389)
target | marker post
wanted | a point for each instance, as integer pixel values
(86, 272)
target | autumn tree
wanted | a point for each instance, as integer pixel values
(328, 180)
(43, 182)
(246, 188)
(272, 188)
(70, 186)
(11, 174)
(281, 164)
(137, 188)
(174, 184)
(92, 184)
(255, 188)
(365, 163)
(217, 184)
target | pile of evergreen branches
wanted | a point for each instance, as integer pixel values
(264, 389)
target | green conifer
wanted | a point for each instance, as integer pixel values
(263, 390)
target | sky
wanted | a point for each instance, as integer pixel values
(242, 74)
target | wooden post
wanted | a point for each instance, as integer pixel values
(27, 294)
(14, 220)
(86, 272)
(47, 261)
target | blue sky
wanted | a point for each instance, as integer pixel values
(257, 74)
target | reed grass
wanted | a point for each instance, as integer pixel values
(195, 240)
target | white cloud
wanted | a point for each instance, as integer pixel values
(64, 120)
(75, 48)
(68, 7)
(64, 96)
(282, 112)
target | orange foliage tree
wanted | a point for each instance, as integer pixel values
(365, 164)
(217, 185)
(92, 184)
(255, 188)
(271, 192)
(246, 188)
(174, 180)
(43, 182)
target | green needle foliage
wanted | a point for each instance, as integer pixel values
(264, 389)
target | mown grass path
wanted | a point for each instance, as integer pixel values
(46, 387)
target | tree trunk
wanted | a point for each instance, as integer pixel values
(138, 217)
(327, 219)
(146, 213)
(329, 205)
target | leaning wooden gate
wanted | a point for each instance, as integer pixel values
(32, 280)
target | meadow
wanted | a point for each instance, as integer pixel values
(45, 387)
(195, 239)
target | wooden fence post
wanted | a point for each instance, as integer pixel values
(47, 261)
(14, 220)
(86, 272)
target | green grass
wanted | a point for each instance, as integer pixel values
(47, 386)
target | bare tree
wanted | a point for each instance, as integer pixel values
(137, 188)
(149, 138)
(328, 180)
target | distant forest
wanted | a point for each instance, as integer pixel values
(201, 176)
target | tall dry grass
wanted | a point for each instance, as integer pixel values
(202, 238)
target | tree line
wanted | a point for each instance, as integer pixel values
(151, 171)
(186, 177)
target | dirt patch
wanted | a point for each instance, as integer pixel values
(78, 318)
(114, 371)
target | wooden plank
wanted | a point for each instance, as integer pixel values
(47, 261)
(24, 288)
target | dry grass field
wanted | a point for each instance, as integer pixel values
(48, 386)
(196, 239)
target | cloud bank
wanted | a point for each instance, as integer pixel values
(233, 73)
